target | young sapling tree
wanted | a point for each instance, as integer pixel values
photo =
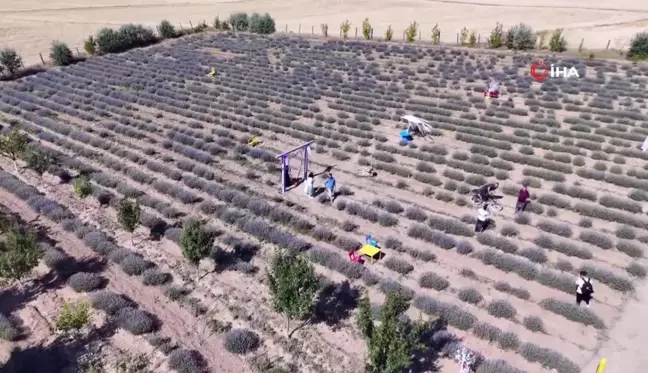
(411, 32)
(19, 254)
(436, 35)
(345, 27)
(13, 145)
(389, 34)
(196, 241)
(39, 161)
(128, 214)
(367, 31)
(293, 285)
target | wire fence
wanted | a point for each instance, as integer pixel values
(481, 42)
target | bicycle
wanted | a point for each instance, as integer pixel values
(477, 200)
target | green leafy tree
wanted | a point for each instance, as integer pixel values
(389, 34)
(472, 40)
(239, 21)
(463, 37)
(19, 254)
(167, 31)
(367, 31)
(39, 161)
(82, 188)
(128, 214)
(13, 145)
(345, 27)
(11, 61)
(436, 35)
(638, 47)
(364, 318)
(557, 43)
(411, 32)
(496, 39)
(392, 342)
(90, 45)
(196, 241)
(73, 317)
(521, 37)
(262, 24)
(293, 285)
(61, 54)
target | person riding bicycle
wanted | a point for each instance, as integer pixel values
(485, 192)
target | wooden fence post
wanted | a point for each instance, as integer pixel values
(158, 30)
(299, 29)
(403, 35)
(313, 30)
(371, 33)
(608, 45)
(181, 29)
(190, 25)
(479, 39)
(580, 47)
(78, 53)
(286, 29)
(356, 33)
(457, 38)
(42, 60)
(340, 30)
(419, 35)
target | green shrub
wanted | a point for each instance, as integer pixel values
(557, 43)
(90, 45)
(167, 30)
(638, 47)
(520, 37)
(262, 24)
(239, 21)
(127, 37)
(61, 54)
(10, 61)
(496, 39)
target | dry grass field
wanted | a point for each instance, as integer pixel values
(30, 26)
(149, 124)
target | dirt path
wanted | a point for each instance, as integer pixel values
(177, 322)
(625, 345)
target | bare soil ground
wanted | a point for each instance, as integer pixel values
(148, 124)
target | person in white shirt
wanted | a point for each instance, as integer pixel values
(483, 218)
(584, 289)
(309, 185)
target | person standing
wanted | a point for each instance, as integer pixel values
(523, 199)
(584, 289)
(309, 185)
(330, 187)
(483, 218)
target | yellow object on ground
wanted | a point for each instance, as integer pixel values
(370, 251)
(212, 72)
(601, 365)
(254, 141)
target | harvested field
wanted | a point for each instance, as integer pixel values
(150, 125)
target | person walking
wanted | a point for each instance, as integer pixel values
(483, 218)
(584, 289)
(309, 185)
(330, 187)
(523, 199)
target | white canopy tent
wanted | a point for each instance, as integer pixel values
(417, 125)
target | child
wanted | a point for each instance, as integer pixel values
(483, 217)
(584, 289)
(523, 199)
(309, 185)
(330, 187)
